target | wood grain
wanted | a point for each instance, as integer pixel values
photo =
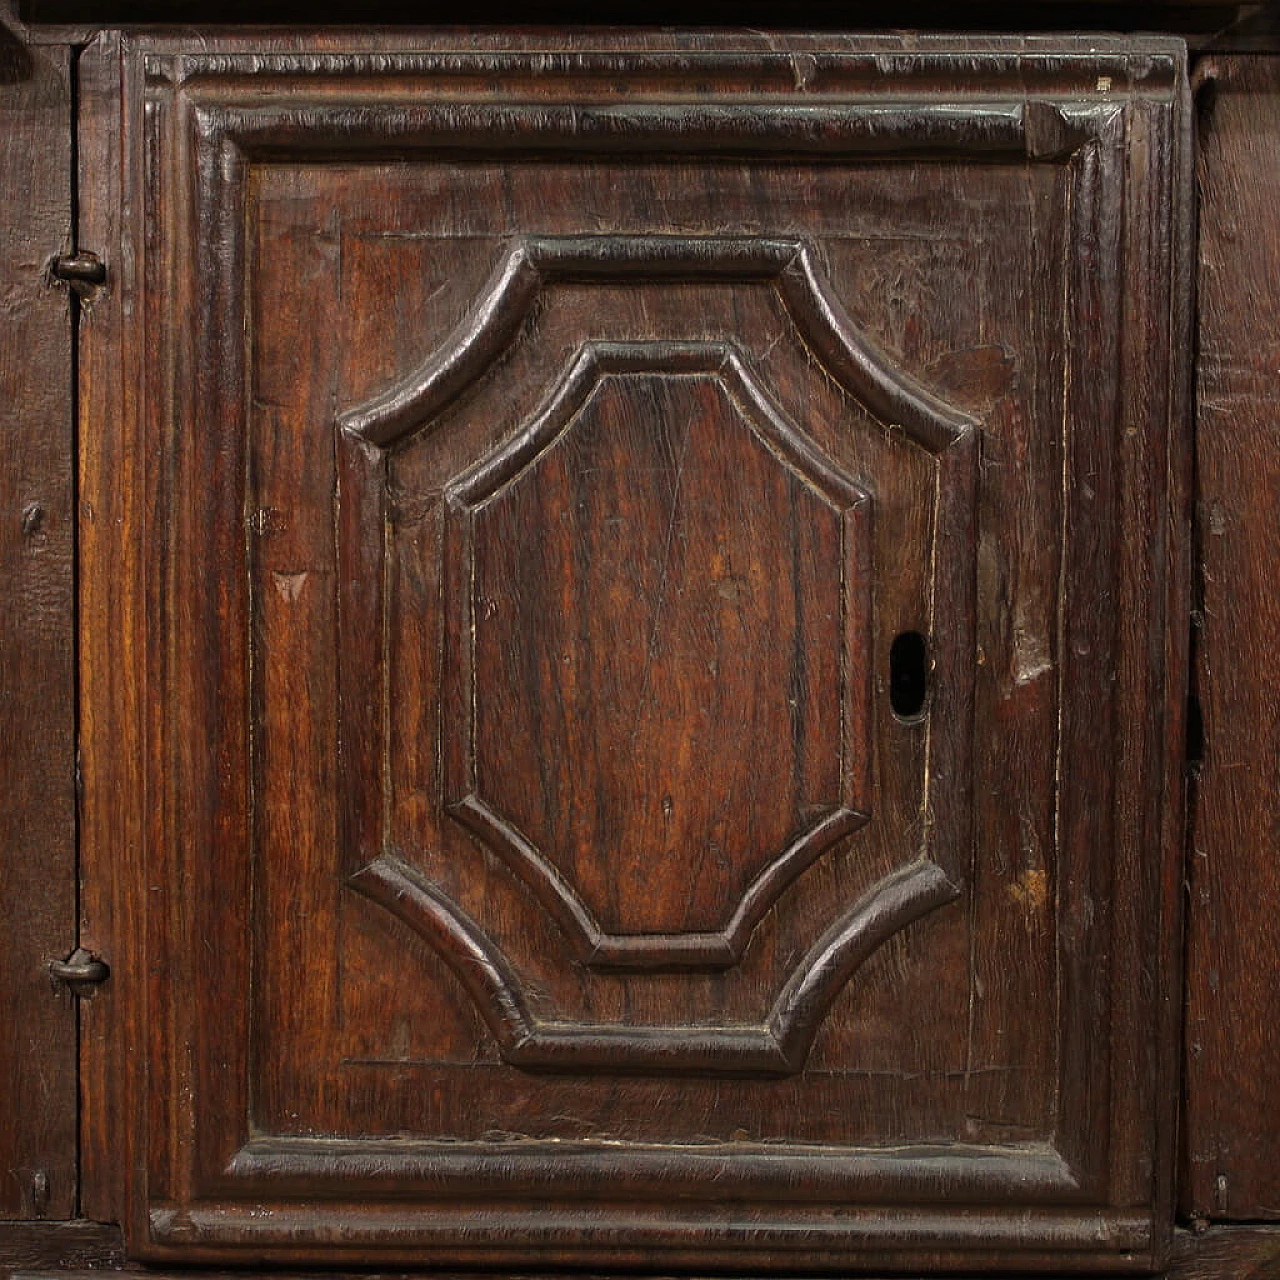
(85, 1251)
(57, 1246)
(1233, 1002)
(112, 499)
(1226, 1253)
(424, 370)
(37, 677)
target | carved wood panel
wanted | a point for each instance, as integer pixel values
(555, 488)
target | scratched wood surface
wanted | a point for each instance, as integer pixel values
(1233, 1002)
(37, 682)
(83, 1251)
(508, 474)
(59, 1246)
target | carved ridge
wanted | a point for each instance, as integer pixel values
(778, 1047)
(890, 395)
(1006, 67)
(473, 345)
(592, 945)
(918, 1173)
(652, 952)
(531, 263)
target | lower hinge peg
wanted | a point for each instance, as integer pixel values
(80, 968)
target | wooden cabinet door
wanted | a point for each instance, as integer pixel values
(633, 639)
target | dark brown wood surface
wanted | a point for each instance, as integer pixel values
(1197, 20)
(1233, 999)
(37, 680)
(84, 1251)
(74, 1246)
(1231, 1048)
(1227, 1253)
(113, 493)
(506, 474)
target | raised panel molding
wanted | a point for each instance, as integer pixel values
(534, 262)
(777, 1047)
(779, 1041)
(379, 305)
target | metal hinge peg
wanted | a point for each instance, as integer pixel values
(81, 967)
(83, 271)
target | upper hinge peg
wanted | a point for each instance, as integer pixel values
(82, 270)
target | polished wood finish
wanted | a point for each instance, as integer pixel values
(1233, 1004)
(506, 472)
(37, 672)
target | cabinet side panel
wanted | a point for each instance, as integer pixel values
(1233, 1014)
(37, 681)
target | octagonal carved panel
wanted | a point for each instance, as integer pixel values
(661, 497)
(656, 673)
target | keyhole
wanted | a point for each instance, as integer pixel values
(908, 675)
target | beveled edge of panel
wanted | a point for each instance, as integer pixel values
(779, 1046)
(795, 1173)
(1222, 1253)
(651, 1235)
(532, 263)
(793, 63)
